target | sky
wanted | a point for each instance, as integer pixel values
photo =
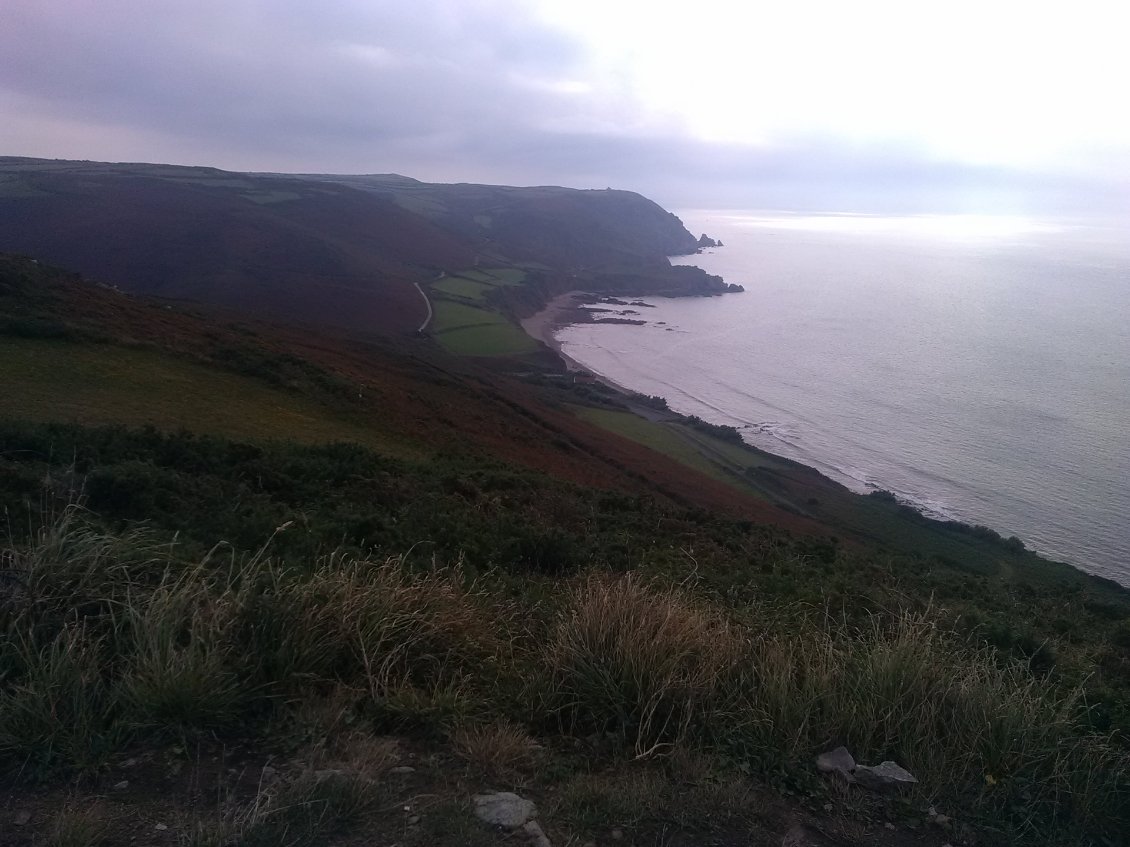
(850, 106)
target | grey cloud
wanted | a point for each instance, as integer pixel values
(438, 89)
(286, 74)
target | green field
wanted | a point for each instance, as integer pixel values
(46, 380)
(462, 287)
(494, 276)
(467, 331)
(451, 315)
(505, 276)
(502, 339)
(659, 437)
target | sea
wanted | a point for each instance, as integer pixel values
(977, 367)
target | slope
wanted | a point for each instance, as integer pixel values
(470, 557)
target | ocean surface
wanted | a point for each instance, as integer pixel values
(976, 367)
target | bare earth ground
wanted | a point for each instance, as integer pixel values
(420, 795)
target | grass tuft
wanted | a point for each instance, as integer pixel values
(648, 662)
(498, 748)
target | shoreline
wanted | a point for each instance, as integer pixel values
(562, 311)
(543, 325)
(567, 310)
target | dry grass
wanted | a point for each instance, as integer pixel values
(337, 788)
(499, 748)
(643, 659)
(415, 641)
(657, 668)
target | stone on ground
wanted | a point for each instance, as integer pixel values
(836, 761)
(504, 809)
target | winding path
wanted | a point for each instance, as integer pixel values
(428, 303)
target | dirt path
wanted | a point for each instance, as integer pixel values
(428, 303)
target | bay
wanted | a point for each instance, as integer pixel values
(977, 367)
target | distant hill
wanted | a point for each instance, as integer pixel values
(563, 227)
(341, 251)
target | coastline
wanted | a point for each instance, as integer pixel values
(558, 313)
(570, 309)
(567, 310)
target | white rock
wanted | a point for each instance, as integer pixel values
(885, 776)
(504, 809)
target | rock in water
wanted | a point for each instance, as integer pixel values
(836, 761)
(885, 776)
(504, 809)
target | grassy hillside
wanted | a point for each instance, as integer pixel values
(312, 550)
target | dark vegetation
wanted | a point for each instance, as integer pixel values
(652, 401)
(720, 431)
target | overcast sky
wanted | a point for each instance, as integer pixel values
(966, 104)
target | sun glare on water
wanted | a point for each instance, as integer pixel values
(959, 227)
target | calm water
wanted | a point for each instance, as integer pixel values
(979, 368)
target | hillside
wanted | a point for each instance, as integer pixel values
(344, 252)
(497, 581)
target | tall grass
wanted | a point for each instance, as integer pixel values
(183, 666)
(647, 661)
(59, 708)
(112, 639)
(973, 728)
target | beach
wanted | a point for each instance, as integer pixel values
(560, 311)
